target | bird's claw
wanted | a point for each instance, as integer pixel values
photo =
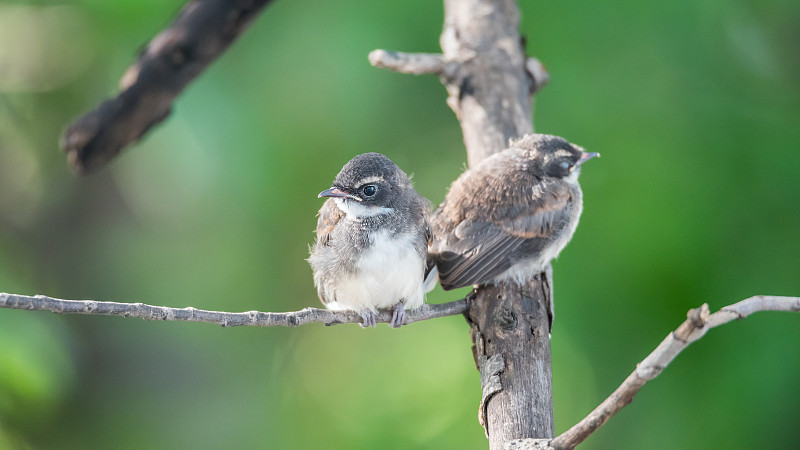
(398, 316)
(368, 319)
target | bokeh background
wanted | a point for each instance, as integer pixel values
(695, 107)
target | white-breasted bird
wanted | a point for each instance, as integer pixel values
(372, 239)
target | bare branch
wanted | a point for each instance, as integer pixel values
(490, 91)
(225, 319)
(201, 33)
(698, 322)
(413, 63)
(538, 74)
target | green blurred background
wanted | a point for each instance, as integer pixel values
(695, 107)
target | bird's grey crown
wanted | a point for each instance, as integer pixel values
(544, 143)
(370, 166)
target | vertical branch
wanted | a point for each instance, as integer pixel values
(514, 325)
(490, 83)
(490, 92)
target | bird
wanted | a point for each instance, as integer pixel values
(510, 216)
(372, 239)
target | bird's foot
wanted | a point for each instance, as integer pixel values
(368, 319)
(398, 316)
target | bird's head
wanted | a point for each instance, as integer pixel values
(554, 156)
(369, 184)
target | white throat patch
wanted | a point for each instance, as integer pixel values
(572, 178)
(355, 210)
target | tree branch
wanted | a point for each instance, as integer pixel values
(489, 82)
(413, 63)
(225, 319)
(200, 34)
(698, 322)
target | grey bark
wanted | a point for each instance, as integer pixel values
(490, 92)
(512, 326)
(225, 319)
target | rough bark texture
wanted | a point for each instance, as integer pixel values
(490, 92)
(202, 32)
(514, 325)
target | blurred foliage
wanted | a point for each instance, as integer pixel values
(695, 107)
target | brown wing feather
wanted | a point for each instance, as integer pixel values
(544, 214)
(329, 216)
(476, 258)
(479, 247)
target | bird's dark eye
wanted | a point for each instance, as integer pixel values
(564, 165)
(370, 190)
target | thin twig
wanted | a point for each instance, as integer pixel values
(225, 319)
(538, 74)
(698, 322)
(413, 63)
(200, 34)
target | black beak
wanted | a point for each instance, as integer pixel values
(585, 157)
(337, 193)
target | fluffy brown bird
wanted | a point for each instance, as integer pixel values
(507, 218)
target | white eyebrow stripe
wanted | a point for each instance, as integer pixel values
(369, 180)
(561, 152)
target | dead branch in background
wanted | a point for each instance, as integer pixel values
(225, 319)
(201, 33)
